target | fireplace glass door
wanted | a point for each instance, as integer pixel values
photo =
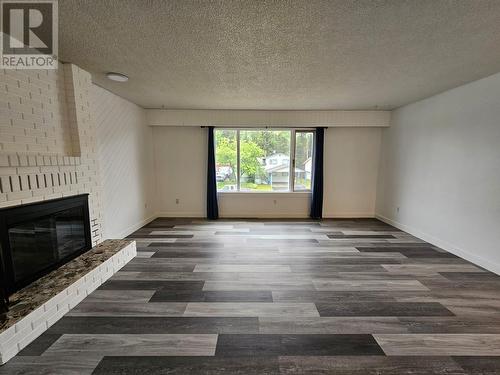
(38, 244)
(37, 238)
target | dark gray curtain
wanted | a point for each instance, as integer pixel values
(317, 183)
(212, 205)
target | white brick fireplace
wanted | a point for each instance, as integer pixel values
(48, 143)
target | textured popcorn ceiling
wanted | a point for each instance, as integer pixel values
(282, 54)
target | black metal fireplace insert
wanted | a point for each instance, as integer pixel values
(39, 237)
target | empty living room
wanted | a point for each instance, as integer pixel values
(252, 187)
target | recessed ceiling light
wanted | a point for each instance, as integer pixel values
(118, 77)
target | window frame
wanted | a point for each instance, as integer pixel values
(292, 176)
(291, 165)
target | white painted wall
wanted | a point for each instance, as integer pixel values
(180, 165)
(126, 163)
(351, 163)
(264, 205)
(440, 165)
(351, 169)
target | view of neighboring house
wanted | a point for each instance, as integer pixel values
(223, 172)
(275, 160)
(277, 168)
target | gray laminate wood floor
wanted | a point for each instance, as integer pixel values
(279, 297)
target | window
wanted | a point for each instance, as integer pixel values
(257, 160)
(226, 163)
(303, 160)
(273, 148)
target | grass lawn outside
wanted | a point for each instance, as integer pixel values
(249, 186)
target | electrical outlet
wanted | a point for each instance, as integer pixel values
(275, 201)
(177, 200)
(397, 210)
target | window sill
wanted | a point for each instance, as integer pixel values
(306, 192)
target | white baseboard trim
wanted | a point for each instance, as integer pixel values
(445, 245)
(348, 215)
(242, 215)
(271, 215)
(192, 214)
(134, 227)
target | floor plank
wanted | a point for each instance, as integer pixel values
(332, 325)
(151, 324)
(250, 309)
(369, 365)
(440, 344)
(368, 285)
(51, 364)
(188, 365)
(305, 345)
(380, 308)
(241, 268)
(212, 296)
(128, 309)
(135, 345)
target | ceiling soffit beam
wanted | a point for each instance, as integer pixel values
(256, 118)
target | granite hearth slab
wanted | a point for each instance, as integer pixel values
(38, 306)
